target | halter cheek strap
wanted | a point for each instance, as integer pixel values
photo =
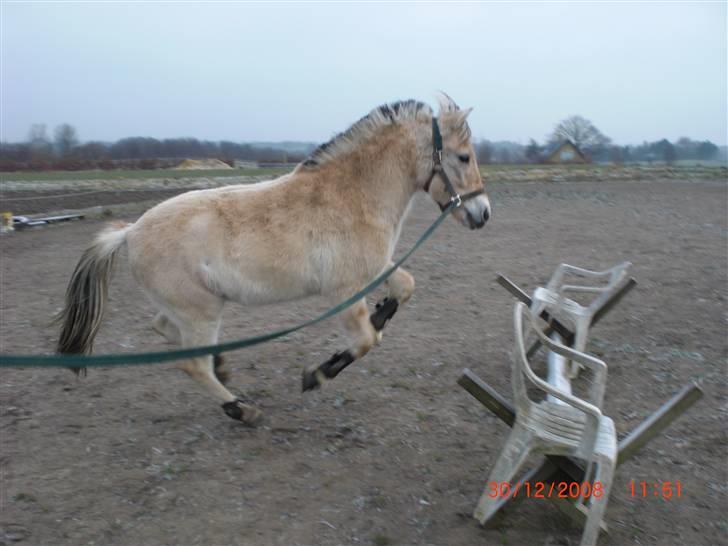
(438, 169)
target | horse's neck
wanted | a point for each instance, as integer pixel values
(387, 182)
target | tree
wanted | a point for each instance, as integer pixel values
(66, 139)
(668, 153)
(483, 152)
(40, 145)
(582, 133)
(533, 151)
(707, 150)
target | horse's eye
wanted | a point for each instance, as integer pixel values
(464, 158)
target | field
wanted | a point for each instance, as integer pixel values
(139, 174)
(392, 452)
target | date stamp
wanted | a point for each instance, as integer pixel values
(545, 490)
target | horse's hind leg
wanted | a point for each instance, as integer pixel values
(198, 322)
(401, 285)
(360, 328)
(164, 326)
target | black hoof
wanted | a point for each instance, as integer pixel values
(310, 380)
(80, 372)
(385, 310)
(240, 411)
(329, 369)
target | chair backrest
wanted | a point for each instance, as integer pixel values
(603, 283)
(523, 374)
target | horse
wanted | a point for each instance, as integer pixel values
(327, 228)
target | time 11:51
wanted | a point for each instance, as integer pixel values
(666, 490)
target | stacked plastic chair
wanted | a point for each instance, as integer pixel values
(561, 423)
(579, 317)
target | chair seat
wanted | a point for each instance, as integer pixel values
(564, 425)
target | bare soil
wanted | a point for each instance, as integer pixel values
(392, 451)
(23, 203)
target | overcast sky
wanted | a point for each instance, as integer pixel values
(281, 71)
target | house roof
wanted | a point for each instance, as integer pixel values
(554, 146)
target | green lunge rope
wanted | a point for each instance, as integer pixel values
(69, 360)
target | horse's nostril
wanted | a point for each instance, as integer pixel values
(486, 215)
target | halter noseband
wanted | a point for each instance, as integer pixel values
(437, 168)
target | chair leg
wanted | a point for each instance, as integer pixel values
(598, 505)
(511, 458)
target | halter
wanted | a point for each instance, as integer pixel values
(438, 169)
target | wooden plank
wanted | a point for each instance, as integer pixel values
(556, 326)
(614, 300)
(576, 512)
(502, 408)
(658, 421)
(489, 397)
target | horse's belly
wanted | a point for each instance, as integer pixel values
(260, 287)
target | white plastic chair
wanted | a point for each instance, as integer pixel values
(572, 313)
(575, 428)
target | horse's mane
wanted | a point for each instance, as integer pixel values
(365, 128)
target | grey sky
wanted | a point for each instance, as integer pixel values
(235, 71)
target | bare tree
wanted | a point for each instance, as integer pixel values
(484, 152)
(581, 132)
(533, 151)
(40, 144)
(66, 139)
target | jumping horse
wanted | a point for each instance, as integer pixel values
(327, 228)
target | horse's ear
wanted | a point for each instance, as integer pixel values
(446, 103)
(459, 119)
(465, 113)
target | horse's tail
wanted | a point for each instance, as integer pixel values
(87, 293)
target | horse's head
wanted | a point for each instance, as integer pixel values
(455, 174)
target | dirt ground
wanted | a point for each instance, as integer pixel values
(392, 452)
(23, 203)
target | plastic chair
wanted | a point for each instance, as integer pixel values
(576, 428)
(571, 312)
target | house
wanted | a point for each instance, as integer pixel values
(564, 151)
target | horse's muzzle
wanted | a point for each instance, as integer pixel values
(477, 212)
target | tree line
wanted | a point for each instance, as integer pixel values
(65, 151)
(595, 146)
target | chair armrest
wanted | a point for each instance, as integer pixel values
(599, 367)
(522, 362)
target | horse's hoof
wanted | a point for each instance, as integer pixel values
(312, 379)
(239, 411)
(221, 370)
(385, 310)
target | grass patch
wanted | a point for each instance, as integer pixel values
(24, 497)
(64, 176)
(382, 540)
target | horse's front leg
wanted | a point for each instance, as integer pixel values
(401, 285)
(364, 336)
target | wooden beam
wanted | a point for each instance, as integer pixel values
(658, 421)
(489, 397)
(486, 395)
(556, 326)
